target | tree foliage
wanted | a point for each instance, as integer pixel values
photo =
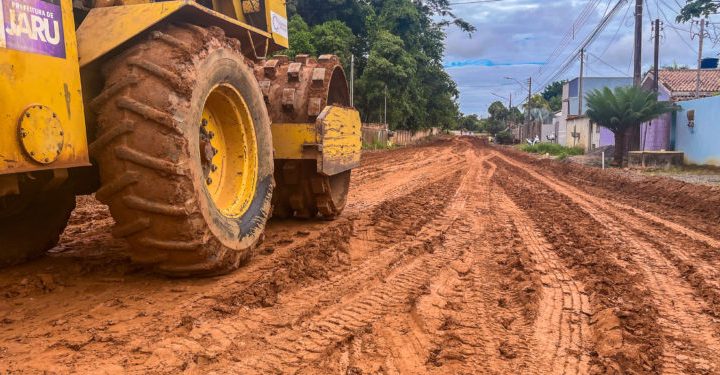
(398, 47)
(553, 95)
(623, 109)
(471, 123)
(698, 8)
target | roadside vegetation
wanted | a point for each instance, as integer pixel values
(622, 110)
(377, 145)
(398, 47)
(554, 149)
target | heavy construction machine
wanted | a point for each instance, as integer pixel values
(177, 115)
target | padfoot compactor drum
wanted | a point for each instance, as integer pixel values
(175, 116)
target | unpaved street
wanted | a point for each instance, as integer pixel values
(451, 258)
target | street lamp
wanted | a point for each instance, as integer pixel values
(524, 86)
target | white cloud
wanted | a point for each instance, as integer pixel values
(517, 32)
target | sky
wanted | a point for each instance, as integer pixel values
(517, 38)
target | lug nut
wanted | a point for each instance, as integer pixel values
(213, 167)
(209, 181)
(214, 151)
(204, 122)
(211, 135)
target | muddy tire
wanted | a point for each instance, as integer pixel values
(296, 91)
(31, 227)
(185, 151)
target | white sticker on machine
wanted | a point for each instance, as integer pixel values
(2, 24)
(279, 24)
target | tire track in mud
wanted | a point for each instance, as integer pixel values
(693, 253)
(197, 305)
(481, 315)
(689, 334)
(562, 323)
(287, 313)
(309, 341)
(561, 327)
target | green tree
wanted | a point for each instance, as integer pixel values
(515, 116)
(301, 38)
(698, 8)
(498, 111)
(537, 101)
(553, 95)
(623, 109)
(389, 66)
(398, 45)
(470, 122)
(333, 37)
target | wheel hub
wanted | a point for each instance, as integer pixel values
(228, 151)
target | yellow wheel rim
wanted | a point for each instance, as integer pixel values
(228, 151)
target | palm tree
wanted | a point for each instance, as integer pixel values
(622, 109)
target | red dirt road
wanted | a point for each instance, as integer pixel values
(451, 258)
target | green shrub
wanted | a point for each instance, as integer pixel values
(504, 138)
(553, 149)
(377, 145)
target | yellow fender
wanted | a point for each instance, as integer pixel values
(105, 29)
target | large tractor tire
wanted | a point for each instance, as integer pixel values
(185, 151)
(31, 224)
(296, 91)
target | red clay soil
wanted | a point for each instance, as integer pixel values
(695, 205)
(452, 257)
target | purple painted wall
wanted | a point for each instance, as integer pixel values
(607, 138)
(655, 135)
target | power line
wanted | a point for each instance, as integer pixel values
(669, 23)
(612, 40)
(570, 33)
(607, 64)
(571, 59)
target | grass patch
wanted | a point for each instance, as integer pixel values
(553, 149)
(376, 146)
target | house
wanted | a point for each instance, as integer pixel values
(560, 129)
(676, 85)
(578, 130)
(697, 130)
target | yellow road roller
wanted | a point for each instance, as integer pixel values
(181, 116)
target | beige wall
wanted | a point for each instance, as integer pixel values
(581, 127)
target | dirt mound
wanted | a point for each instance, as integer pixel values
(699, 204)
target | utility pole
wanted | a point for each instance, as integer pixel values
(580, 82)
(510, 101)
(700, 52)
(580, 96)
(385, 115)
(656, 69)
(527, 112)
(352, 80)
(637, 56)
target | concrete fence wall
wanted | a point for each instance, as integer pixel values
(406, 137)
(701, 142)
(374, 134)
(378, 133)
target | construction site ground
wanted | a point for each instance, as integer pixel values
(452, 257)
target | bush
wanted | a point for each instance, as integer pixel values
(553, 149)
(377, 145)
(504, 138)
